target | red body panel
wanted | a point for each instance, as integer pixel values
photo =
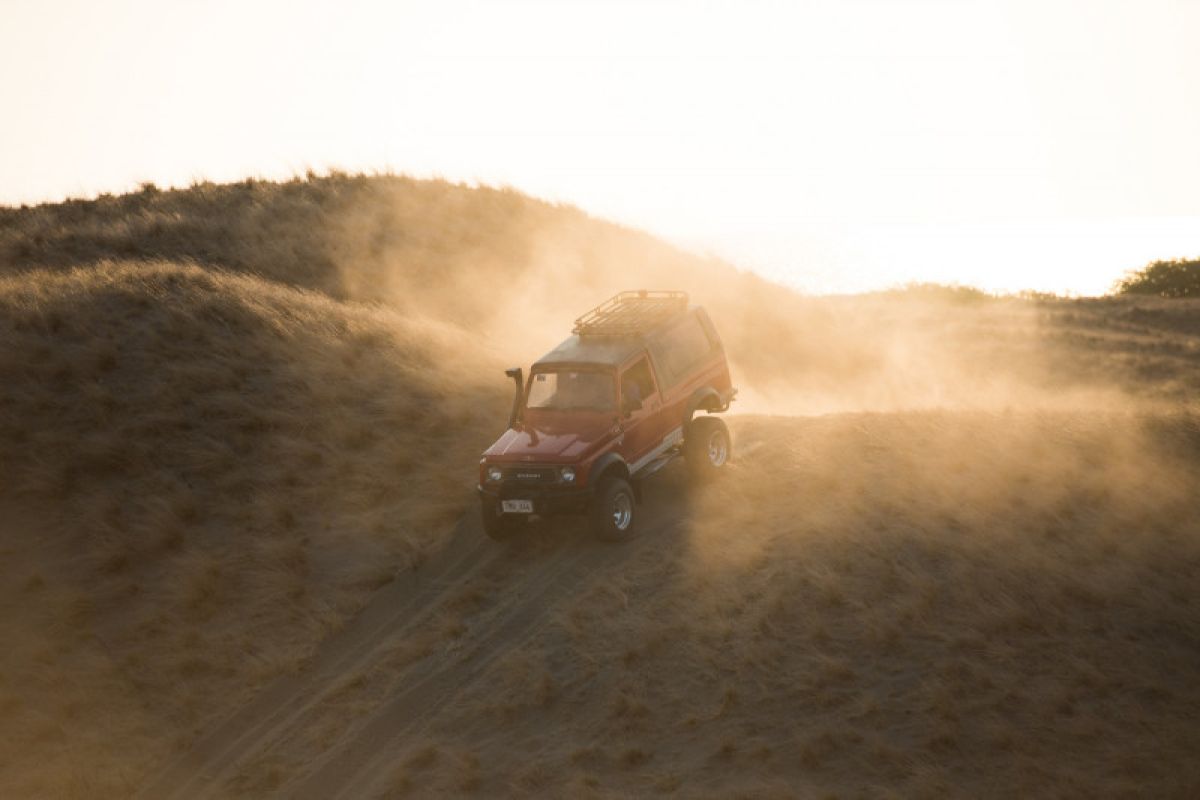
(564, 437)
(641, 429)
(715, 374)
(579, 437)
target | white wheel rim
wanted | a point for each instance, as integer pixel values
(622, 511)
(718, 449)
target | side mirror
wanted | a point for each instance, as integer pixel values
(519, 380)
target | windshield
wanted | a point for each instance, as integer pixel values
(572, 389)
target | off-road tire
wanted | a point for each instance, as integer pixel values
(614, 511)
(707, 447)
(497, 525)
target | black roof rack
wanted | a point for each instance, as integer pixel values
(631, 313)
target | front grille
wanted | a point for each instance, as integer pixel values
(531, 474)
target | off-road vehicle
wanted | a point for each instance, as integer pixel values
(610, 406)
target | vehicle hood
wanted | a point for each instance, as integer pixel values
(547, 442)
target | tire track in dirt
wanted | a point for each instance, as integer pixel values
(353, 769)
(305, 741)
(372, 781)
(396, 608)
(276, 721)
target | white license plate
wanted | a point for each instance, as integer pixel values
(516, 506)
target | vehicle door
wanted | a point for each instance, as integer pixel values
(641, 411)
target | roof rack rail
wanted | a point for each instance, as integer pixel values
(631, 313)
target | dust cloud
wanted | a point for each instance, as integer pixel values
(518, 279)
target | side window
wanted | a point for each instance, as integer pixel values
(636, 383)
(680, 348)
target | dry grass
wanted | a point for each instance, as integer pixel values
(922, 604)
(210, 472)
(231, 412)
(482, 258)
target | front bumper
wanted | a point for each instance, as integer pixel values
(547, 500)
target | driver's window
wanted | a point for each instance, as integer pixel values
(636, 384)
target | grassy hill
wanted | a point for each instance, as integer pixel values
(516, 271)
(203, 474)
(230, 413)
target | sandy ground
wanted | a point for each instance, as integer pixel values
(968, 604)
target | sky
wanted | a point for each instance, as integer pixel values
(834, 146)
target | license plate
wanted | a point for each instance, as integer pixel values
(516, 506)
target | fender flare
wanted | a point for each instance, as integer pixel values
(701, 397)
(608, 462)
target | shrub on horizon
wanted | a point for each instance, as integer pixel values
(1174, 278)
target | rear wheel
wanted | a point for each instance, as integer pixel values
(614, 511)
(496, 523)
(707, 446)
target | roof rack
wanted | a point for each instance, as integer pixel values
(631, 313)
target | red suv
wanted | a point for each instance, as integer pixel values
(610, 406)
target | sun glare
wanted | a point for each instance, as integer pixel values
(835, 146)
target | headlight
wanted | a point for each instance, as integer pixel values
(494, 474)
(568, 474)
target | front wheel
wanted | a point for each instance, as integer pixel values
(614, 511)
(496, 524)
(707, 446)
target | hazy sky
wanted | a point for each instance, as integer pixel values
(835, 145)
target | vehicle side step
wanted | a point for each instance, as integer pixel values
(657, 464)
